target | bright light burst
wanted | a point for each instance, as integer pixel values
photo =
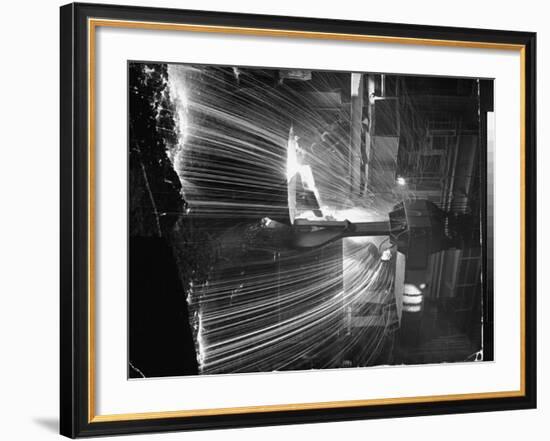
(263, 305)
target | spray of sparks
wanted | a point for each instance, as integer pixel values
(263, 306)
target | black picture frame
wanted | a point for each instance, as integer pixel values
(77, 419)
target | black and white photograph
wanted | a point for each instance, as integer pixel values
(294, 219)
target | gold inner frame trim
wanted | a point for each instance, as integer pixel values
(262, 32)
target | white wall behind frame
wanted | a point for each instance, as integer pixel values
(29, 221)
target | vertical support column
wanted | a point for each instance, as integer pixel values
(356, 116)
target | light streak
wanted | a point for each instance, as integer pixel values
(258, 305)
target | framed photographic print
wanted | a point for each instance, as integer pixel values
(273, 220)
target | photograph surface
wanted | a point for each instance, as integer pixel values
(293, 219)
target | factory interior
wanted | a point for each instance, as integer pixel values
(293, 219)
